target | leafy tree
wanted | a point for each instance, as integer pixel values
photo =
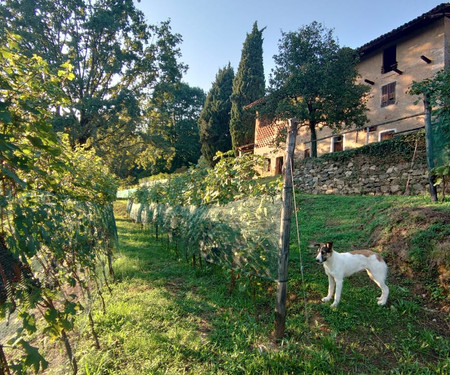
(214, 122)
(314, 81)
(436, 90)
(170, 135)
(248, 86)
(175, 110)
(117, 60)
(186, 138)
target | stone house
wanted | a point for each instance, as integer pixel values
(388, 64)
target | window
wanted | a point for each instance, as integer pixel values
(388, 94)
(337, 143)
(389, 59)
(387, 134)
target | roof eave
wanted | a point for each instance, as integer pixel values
(442, 10)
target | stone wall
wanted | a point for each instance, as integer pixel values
(393, 167)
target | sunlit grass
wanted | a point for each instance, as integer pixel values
(166, 317)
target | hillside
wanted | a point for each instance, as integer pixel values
(412, 234)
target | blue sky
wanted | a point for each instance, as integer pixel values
(214, 31)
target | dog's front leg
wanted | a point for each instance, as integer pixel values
(337, 294)
(331, 285)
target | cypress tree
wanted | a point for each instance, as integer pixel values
(248, 86)
(214, 121)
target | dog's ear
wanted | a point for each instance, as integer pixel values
(317, 245)
(329, 245)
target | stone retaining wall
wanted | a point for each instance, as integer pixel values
(364, 174)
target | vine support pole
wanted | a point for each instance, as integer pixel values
(283, 248)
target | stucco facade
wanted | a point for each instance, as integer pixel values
(388, 65)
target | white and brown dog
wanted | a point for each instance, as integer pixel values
(339, 265)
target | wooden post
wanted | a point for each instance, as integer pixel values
(283, 250)
(429, 147)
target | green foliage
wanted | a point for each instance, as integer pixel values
(437, 92)
(437, 89)
(248, 86)
(224, 215)
(214, 122)
(442, 175)
(314, 82)
(231, 179)
(234, 178)
(31, 359)
(423, 243)
(399, 148)
(172, 113)
(117, 61)
(238, 236)
(56, 225)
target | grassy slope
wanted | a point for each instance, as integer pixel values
(166, 317)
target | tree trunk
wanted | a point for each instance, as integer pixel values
(312, 129)
(283, 251)
(429, 147)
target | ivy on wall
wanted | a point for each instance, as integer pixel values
(396, 166)
(401, 148)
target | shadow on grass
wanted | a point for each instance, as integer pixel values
(166, 316)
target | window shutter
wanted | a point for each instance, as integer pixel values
(391, 93)
(388, 94)
(384, 96)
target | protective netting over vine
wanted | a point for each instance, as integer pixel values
(242, 235)
(440, 139)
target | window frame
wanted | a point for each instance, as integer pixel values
(332, 146)
(380, 134)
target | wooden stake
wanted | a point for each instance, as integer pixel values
(283, 250)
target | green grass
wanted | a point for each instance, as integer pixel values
(166, 317)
